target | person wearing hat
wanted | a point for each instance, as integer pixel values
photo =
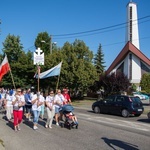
(66, 96)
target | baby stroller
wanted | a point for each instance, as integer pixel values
(148, 115)
(69, 118)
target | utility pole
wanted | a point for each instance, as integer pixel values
(50, 44)
(0, 23)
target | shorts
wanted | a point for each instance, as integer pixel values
(56, 110)
(28, 108)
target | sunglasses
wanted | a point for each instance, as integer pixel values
(18, 91)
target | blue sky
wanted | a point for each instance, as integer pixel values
(27, 18)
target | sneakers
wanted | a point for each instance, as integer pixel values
(35, 127)
(18, 128)
(57, 124)
(46, 126)
(15, 128)
(50, 127)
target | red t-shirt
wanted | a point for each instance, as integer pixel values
(67, 97)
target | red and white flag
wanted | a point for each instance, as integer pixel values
(4, 67)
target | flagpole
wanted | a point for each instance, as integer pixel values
(57, 82)
(38, 83)
(12, 79)
(38, 78)
(58, 79)
(10, 71)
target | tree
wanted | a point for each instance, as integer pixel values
(145, 82)
(99, 60)
(78, 72)
(21, 63)
(43, 41)
(13, 48)
(114, 83)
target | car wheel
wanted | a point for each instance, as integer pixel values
(137, 115)
(96, 109)
(125, 113)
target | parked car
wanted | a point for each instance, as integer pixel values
(141, 96)
(120, 105)
(147, 95)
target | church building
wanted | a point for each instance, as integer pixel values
(131, 61)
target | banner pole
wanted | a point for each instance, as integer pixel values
(58, 78)
(38, 83)
(57, 82)
(12, 79)
(38, 78)
(11, 74)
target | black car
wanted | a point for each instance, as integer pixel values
(120, 105)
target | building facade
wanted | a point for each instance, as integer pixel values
(131, 61)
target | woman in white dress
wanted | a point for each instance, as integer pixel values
(50, 109)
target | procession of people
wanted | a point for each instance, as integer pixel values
(31, 105)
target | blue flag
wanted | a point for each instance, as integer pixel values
(55, 71)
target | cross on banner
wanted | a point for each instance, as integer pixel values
(38, 57)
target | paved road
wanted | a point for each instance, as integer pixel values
(104, 132)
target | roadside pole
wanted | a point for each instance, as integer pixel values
(38, 60)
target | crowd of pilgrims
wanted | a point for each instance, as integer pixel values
(31, 105)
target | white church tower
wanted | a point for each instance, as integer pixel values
(132, 33)
(131, 61)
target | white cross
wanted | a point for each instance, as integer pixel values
(39, 51)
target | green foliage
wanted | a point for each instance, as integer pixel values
(145, 83)
(114, 83)
(13, 48)
(99, 61)
(77, 72)
(43, 41)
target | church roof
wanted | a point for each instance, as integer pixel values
(129, 47)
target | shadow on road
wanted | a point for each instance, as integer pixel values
(110, 114)
(28, 123)
(10, 124)
(144, 120)
(115, 144)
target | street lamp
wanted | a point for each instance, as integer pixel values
(50, 46)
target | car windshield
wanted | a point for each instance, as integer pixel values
(135, 99)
